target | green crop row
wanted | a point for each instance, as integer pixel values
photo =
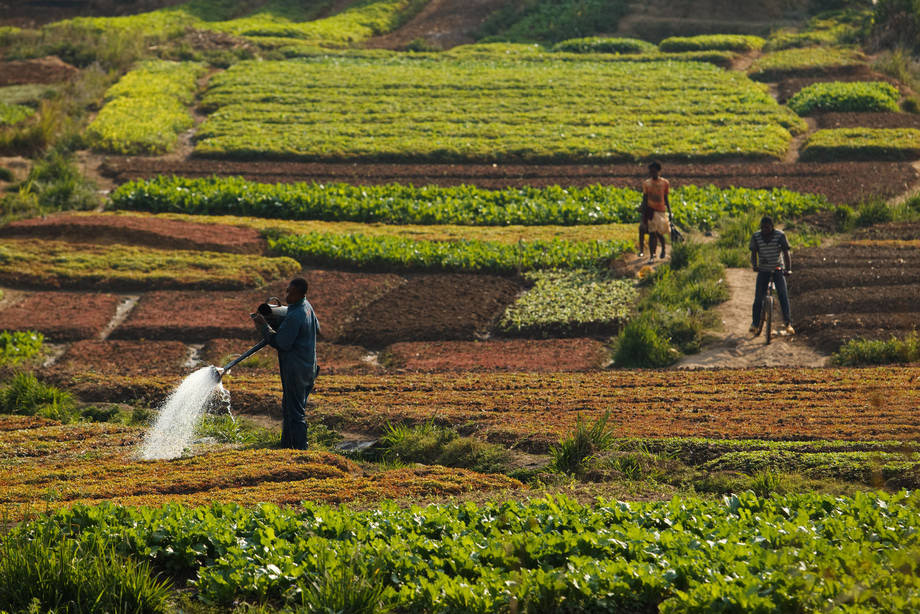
(697, 207)
(842, 97)
(11, 114)
(448, 109)
(712, 42)
(794, 553)
(52, 264)
(570, 302)
(147, 109)
(804, 61)
(388, 252)
(275, 22)
(863, 144)
(596, 44)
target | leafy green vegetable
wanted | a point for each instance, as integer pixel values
(712, 42)
(863, 144)
(836, 96)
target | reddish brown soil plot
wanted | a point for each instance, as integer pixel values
(198, 316)
(42, 71)
(61, 316)
(332, 358)
(139, 230)
(433, 307)
(856, 291)
(839, 182)
(539, 355)
(125, 357)
(867, 120)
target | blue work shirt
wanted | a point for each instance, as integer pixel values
(296, 339)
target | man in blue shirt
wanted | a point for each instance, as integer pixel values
(295, 341)
(767, 245)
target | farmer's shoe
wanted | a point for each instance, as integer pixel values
(640, 255)
(754, 330)
(788, 330)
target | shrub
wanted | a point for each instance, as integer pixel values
(712, 42)
(844, 218)
(871, 213)
(867, 352)
(25, 395)
(641, 344)
(858, 96)
(65, 576)
(58, 184)
(604, 45)
(896, 23)
(432, 444)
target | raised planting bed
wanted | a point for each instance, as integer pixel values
(863, 144)
(125, 357)
(331, 357)
(534, 410)
(540, 355)
(845, 97)
(569, 303)
(84, 464)
(139, 229)
(61, 316)
(895, 231)
(867, 120)
(433, 307)
(55, 264)
(839, 182)
(807, 62)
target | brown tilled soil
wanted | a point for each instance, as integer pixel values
(125, 357)
(498, 355)
(867, 120)
(898, 231)
(149, 231)
(61, 316)
(840, 182)
(43, 70)
(332, 358)
(856, 291)
(433, 307)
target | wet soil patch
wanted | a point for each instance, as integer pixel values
(41, 71)
(867, 120)
(125, 357)
(499, 355)
(61, 316)
(139, 230)
(433, 307)
(839, 182)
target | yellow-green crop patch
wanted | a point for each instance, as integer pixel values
(841, 97)
(805, 61)
(443, 109)
(53, 264)
(147, 109)
(863, 144)
(12, 114)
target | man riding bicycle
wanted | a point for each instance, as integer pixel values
(766, 246)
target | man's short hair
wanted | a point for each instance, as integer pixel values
(654, 166)
(301, 284)
(766, 220)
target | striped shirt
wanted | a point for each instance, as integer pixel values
(768, 251)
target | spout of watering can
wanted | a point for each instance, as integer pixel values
(219, 372)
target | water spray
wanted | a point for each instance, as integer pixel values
(274, 313)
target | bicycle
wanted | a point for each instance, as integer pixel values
(766, 310)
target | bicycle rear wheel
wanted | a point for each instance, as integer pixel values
(768, 317)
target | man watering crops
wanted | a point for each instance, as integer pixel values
(295, 341)
(766, 246)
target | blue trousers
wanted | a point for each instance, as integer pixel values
(296, 386)
(779, 282)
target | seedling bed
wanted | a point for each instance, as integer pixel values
(867, 120)
(61, 316)
(540, 355)
(125, 357)
(148, 230)
(433, 307)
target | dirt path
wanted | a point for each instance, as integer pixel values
(737, 348)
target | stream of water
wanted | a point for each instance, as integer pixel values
(180, 413)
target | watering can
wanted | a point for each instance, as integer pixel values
(274, 313)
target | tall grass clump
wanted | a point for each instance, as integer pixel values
(573, 453)
(47, 573)
(858, 352)
(432, 444)
(339, 586)
(672, 311)
(25, 395)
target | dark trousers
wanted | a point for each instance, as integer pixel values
(779, 281)
(295, 390)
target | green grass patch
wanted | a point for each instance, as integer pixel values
(17, 347)
(147, 109)
(800, 62)
(693, 206)
(858, 352)
(552, 20)
(712, 42)
(841, 97)
(863, 144)
(569, 303)
(432, 444)
(598, 44)
(53, 264)
(445, 109)
(25, 395)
